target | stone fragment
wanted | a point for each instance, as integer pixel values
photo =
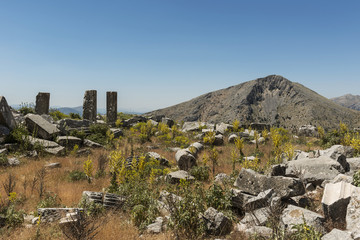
(42, 103)
(113, 200)
(111, 107)
(219, 140)
(216, 222)
(232, 138)
(194, 126)
(163, 161)
(40, 127)
(67, 125)
(155, 227)
(255, 231)
(117, 132)
(91, 144)
(175, 177)
(337, 234)
(6, 116)
(278, 170)
(55, 214)
(239, 198)
(3, 151)
(90, 105)
(223, 128)
(308, 131)
(60, 150)
(252, 182)
(53, 165)
(185, 159)
(169, 122)
(90, 196)
(293, 215)
(69, 141)
(13, 161)
(222, 178)
(263, 199)
(353, 211)
(258, 217)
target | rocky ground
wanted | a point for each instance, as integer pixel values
(153, 178)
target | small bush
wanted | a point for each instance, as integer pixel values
(356, 179)
(76, 175)
(91, 208)
(13, 217)
(201, 173)
(57, 115)
(26, 108)
(50, 200)
(3, 160)
(75, 116)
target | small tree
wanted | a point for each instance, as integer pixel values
(88, 169)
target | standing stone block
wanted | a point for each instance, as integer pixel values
(42, 103)
(111, 107)
(90, 105)
(6, 116)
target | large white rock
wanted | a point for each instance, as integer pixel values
(337, 234)
(353, 211)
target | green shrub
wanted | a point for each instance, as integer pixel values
(3, 160)
(76, 175)
(50, 200)
(304, 231)
(91, 208)
(26, 108)
(79, 134)
(356, 179)
(201, 173)
(74, 116)
(57, 115)
(99, 133)
(218, 197)
(13, 217)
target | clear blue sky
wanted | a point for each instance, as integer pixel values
(158, 53)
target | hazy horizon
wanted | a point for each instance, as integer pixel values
(159, 53)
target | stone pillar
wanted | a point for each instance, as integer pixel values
(90, 105)
(111, 107)
(42, 103)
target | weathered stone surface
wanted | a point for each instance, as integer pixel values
(83, 152)
(66, 125)
(91, 144)
(257, 217)
(232, 138)
(335, 200)
(219, 140)
(197, 145)
(216, 222)
(117, 132)
(55, 214)
(42, 103)
(13, 161)
(42, 128)
(223, 128)
(55, 151)
(111, 107)
(90, 105)
(68, 141)
(175, 177)
(258, 231)
(3, 151)
(354, 165)
(6, 116)
(337, 234)
(337, 150)
(239, 198)
(194, 126)
(293, 215)
(185, 159)
(4, 132)
(155, 227)
(163, 161)
(263, 199)
(53, 165)
(314, 170)
(134, 120)
(278, 170)
(222, 178)
(254, 183)
(90, 196)
(168, 121)
(113, 200)
(353, 211)
(308, 131)
(44, 143)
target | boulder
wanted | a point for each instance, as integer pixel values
(55, 151)
(4, 151)
(13, 161)
(222, 178)
(315, 170)
(163, 161)
(6, 116)
(197, 147)
(223, 128)
(219, 140)
(185, 159)
(353, 211)
(258, 217)
(49, 146)
(155, 227)
(68, 141)
(252, 182)
(337, 150)
(232, 138)
(91, 144)
(117, 132)
(193, 126)
(257, 231)
(335, 200)
(278, 170)
(337, 234)
(169, 122)
(175, 177)
(263, 199)
(216, 222)
(293, 215)
(354, 165)
(308, 131)
(42, 128)
(133, 121)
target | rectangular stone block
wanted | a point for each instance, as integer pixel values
(40, 127)
(90, 105)
(42, 103)
(111, 107)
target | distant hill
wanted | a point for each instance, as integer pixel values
(349, 101)
(273, 100)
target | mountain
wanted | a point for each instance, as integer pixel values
(349, 101)
(273, 100)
